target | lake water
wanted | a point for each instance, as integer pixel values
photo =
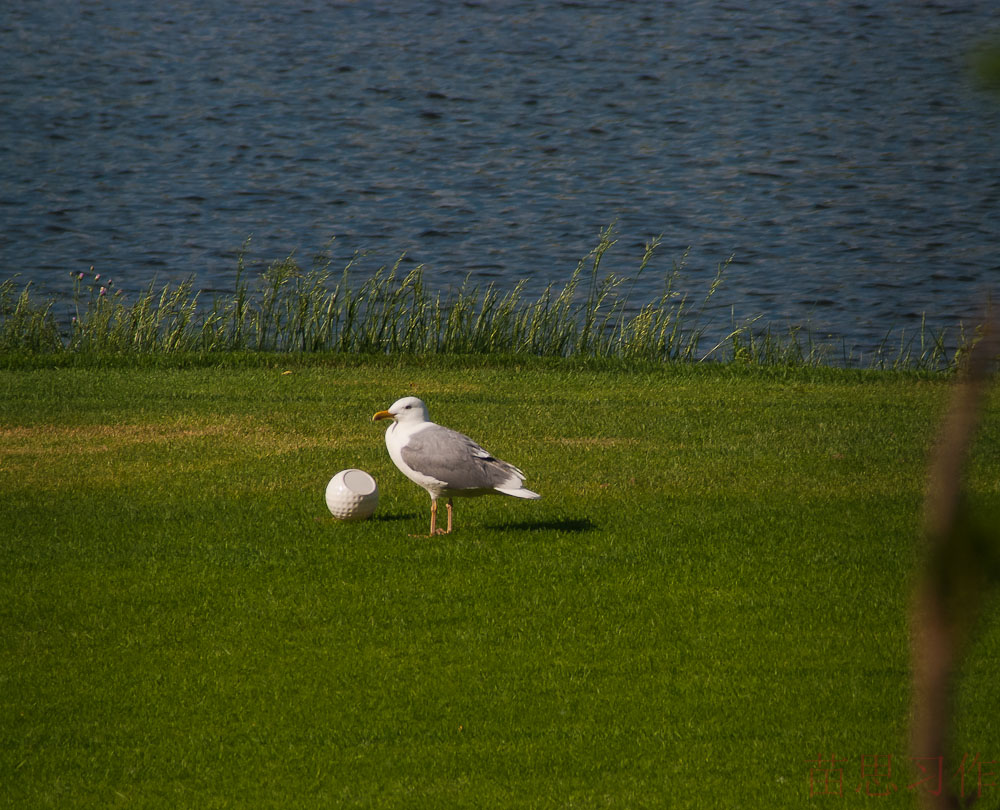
(839, 152)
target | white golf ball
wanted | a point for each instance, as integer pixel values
(352, 495)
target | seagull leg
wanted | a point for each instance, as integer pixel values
(434, 511)
(434, 514)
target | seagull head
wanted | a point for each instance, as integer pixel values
(407, 409)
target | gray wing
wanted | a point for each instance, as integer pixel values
(454, 458)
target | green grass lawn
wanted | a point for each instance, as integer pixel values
(711, 593)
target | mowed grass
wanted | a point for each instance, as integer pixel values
(711, 593)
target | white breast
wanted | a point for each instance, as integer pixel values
(395, 439)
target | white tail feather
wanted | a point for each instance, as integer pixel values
(519, 492)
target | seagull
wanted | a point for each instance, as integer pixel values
(444, 461)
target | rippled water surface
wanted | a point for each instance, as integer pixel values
(838, 151)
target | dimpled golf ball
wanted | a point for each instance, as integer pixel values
(352, 495)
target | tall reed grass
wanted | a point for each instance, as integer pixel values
(288, 308)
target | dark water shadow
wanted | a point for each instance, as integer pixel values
(567, 525)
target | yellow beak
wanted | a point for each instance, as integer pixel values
(382, 415)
